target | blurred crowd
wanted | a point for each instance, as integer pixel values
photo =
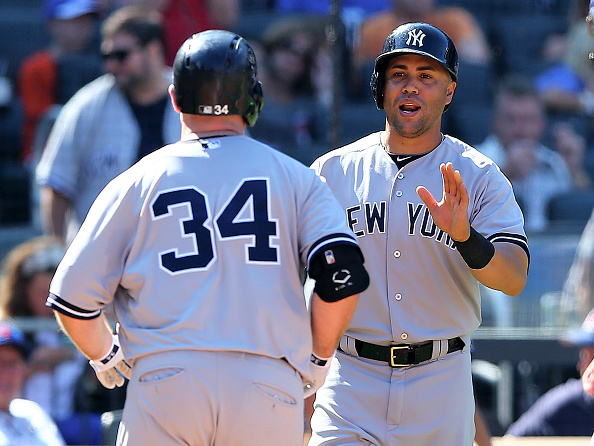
(83, 95)
(525, 95)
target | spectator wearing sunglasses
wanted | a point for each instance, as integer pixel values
(53, 74)
(110, 123)
(296, 74)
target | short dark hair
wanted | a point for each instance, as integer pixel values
(518, 85)
(145, 25)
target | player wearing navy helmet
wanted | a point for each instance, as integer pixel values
(201, 248)
(402, 374)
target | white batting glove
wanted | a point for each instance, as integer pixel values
(319, 369)
(108, 367)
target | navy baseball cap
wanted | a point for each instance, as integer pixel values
(583, 336)
(69, 9)
(11, 335)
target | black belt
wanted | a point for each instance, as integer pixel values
(402, 355)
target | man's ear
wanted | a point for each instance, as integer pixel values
(172, 96)
(450, 92)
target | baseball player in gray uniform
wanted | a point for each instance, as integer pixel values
(201, 247)
(402, 374)
(110, 123)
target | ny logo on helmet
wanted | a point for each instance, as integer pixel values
(416, 36)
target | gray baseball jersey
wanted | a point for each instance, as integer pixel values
(422, 279)
(421, 290)
(94, 139)
(201, 245)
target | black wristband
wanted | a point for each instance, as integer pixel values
(477, 251)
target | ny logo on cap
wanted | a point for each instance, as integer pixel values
(417, 36)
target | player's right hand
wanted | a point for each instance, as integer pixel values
(319, 369)
(112, 368)
(451, 213)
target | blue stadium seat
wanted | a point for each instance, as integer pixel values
(518, 41)
(571, 207)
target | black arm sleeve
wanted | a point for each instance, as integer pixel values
(338, 271)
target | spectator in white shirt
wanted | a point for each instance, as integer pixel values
(22, 422)
(537, 173)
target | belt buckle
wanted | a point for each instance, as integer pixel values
(392, 359)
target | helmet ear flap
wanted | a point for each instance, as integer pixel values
(255, 106)
(377, 89)
(258, 95)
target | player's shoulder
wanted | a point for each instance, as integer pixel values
(252, 151)
(467, 152)
(102, 85)
(94, 93)
(264, 154)
(350, 152)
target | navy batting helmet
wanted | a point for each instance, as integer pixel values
(215, 73)
(416, 38)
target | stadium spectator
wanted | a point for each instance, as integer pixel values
(536, 172)
(295, 73)
(577, 297)
(58, 378)
(26, 273)
(352, 12)
(567, 85)
(588, 375)
(22, 422)
(110, 123)
(565, 410)
(182, 18)
(53, 74)
(572, 147)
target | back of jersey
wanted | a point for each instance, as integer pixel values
(208, 240)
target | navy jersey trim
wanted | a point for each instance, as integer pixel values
(332, 238)
(516, 239)
(506, 235)
(61, 306)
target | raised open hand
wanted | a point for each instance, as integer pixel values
(451, 213)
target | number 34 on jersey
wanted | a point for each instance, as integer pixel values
(244, 215)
